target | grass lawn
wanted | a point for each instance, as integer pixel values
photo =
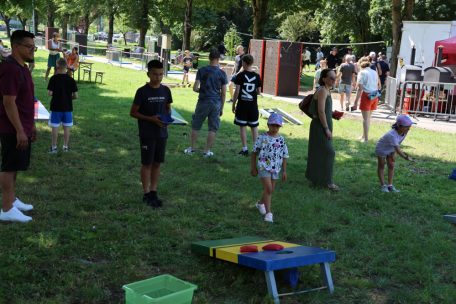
(91, 233)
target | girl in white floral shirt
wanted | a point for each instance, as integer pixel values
(272, 153)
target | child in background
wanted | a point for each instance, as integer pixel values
(248, 84)
(323, 65)
(187, 62)
(272, 153)
(388, 146)
(63, 90)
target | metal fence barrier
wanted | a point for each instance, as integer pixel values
(431, 99)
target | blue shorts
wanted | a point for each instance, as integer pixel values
(265, 174)
(345, 88)
(64, 118)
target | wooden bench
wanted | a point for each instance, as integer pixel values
(87, 71)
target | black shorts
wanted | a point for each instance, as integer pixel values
(246, 114)
(186, 69)
(13, 159)
(152, 150)
(306, 62)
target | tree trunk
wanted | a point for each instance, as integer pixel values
(260, 13)
(7, 20)
(144, 23)
(50, 18)
(397, 17)
(35, 23)
(86, 23)
(187, 25)
(65, 19)
(396, 28)
(23, 22)
(110, 27)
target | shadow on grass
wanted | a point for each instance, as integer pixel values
(91, 232)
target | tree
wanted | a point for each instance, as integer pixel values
(296, 26)
(399, 13)
(260, 13)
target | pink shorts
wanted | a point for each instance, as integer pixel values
(368, 104)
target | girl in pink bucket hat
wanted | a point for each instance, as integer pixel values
(388, 146)
(272, 153)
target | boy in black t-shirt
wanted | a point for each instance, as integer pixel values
(248, 84)
(63, 90)
(152, 108)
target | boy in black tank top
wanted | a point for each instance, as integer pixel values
(245, 106)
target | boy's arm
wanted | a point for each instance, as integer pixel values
(75, 95)
(223, 96)
(134, 112)
(196, 86)
(49, 93)
(235, 96)
(253, 167)
(284, 170)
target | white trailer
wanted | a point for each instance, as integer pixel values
(423, 35)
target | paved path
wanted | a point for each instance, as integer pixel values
(382, 114)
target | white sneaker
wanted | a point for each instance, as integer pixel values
(261, 208)
(189, 151)
(208, 154)
(393, 189)
(21, 206)
(268, 217)
(14, 215)
(385, 188)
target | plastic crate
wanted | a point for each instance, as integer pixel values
(164, 289)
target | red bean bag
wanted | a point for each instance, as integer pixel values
(272, 247)
(249, 248)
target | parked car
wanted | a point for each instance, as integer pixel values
(117, 37)
(100, 36)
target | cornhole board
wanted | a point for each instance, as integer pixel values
(40, 111)
(450, 218)
(291, 257)
(178, 119)
(286, 116)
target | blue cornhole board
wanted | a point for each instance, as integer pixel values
(291, 257)
(178, 119)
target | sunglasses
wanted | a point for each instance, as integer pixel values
(30, 47)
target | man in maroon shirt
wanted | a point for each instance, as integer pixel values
(17, 125)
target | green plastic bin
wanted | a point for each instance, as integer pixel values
(164, 289)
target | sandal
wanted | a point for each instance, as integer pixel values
(333, 187)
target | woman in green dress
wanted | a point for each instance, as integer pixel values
(320, 159)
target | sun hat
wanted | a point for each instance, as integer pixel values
(404, 120)
(275, 119)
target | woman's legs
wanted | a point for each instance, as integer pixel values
(47, 73)
(366, 124)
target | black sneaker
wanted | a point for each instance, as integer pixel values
(146, 198)
(155, 203)
(244, 152)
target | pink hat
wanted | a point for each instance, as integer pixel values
(404, 120)
(275, 119)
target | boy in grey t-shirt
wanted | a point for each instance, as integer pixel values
(211, 85)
